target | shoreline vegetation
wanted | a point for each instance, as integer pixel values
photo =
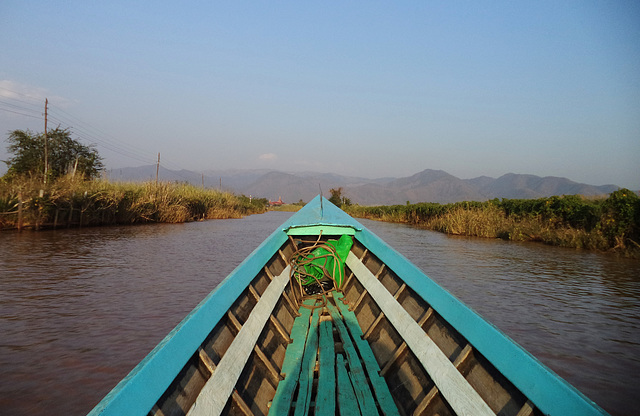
(604, 224)
(71, 202)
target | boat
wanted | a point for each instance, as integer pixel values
(325, 318)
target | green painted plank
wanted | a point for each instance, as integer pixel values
(360, 385)
(380, 387)
(308, 365)
(346, 396)
(292, 362)
(326, 396)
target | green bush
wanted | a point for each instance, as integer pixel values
(568, 220)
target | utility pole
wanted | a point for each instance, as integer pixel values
(157, 168)
(46, 150)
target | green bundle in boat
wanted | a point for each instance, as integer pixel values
(322, 262)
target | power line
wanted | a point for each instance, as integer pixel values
(20, 107)
(17, 112)
(83, 130)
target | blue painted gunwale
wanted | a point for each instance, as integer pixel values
(548, 391)
(143, 386)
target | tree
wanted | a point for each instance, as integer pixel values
(337, 198)
(65, 155)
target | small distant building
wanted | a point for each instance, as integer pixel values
(276, 203)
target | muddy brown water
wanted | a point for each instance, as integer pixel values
(79, 308)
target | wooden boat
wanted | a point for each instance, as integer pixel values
(389, 341)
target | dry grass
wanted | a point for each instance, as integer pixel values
(490, 220)
(73, 202)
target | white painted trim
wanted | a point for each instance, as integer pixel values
(460, 395)
(219, 387)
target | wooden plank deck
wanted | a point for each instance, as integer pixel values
(344, 380)
(292, 363)
(460, 395)
(219, 387)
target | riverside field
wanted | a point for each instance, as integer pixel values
(29, 204)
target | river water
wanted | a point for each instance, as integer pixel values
(79, 308)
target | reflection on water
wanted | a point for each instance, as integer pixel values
(80, 308)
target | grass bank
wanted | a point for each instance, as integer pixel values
(287, 207)
(67, 202)
(605, 224)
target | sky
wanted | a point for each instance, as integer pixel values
(371, 89)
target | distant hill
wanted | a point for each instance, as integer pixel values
(426, 186)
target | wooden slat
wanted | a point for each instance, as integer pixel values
(211, 366)
(380, 387)
(425, 402)
(268, 272)
(356, 371)
(275, 374)
(462, 357)
(206, 360)
(403, 346)
(460, 395)
(346, 396)
(305, 382)
(357, 302)
(347, 282)
(219, 387)
(234, 321)
(326, 396)
(381, 314)
(280, 329)
(292, 305)
(254, 292)
(527, 409)
(399, 291)
(292, 362)
(156, 411)
(373, 326)
(396, 354)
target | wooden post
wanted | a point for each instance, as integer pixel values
(75, 167)
(20, 211)
(157, 169)
(46, 152)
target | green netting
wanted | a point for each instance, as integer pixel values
(325, 261)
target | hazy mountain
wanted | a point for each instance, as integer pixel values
(480, 181)
(294, 187)
(426, 186)
(513, 185)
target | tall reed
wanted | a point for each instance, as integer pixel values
(569, 221)
(72, 201)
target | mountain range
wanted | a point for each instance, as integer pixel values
(426, 186)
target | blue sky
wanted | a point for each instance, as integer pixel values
(371, 89)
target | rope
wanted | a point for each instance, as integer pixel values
(304, 256)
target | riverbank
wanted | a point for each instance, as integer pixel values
(605, 224)
(69, 202)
